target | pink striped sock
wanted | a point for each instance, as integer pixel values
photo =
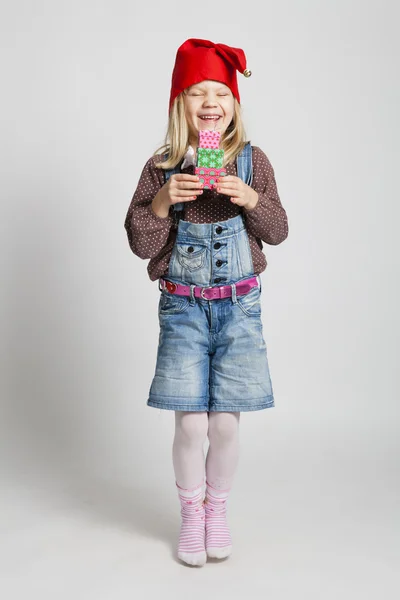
(218, 537)
(191, 548)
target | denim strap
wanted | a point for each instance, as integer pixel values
(245, 164)
(178, 208)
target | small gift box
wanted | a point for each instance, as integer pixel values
(209, 138)
(208, 176)
(210, 158)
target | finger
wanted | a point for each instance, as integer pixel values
(185, 193)
(226, 184)
(229, 191)
(227, 178)
(188, 185)
(185, 177)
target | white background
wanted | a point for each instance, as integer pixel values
(89, 508)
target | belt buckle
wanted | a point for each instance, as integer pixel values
(171, 287)
(205, 288)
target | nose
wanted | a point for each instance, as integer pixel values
(210, 100)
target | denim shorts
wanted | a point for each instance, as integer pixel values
(211, 354)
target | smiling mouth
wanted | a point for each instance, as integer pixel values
(210, 118)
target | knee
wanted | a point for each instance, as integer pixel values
(223, 428)
(192, 428)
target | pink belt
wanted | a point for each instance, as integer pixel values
(219, 291)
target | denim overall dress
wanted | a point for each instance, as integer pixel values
(211, 354)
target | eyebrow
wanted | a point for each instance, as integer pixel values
(199, 86)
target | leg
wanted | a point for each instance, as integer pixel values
(188, 447)
(221, 463)
(223, 453)
(188, 460)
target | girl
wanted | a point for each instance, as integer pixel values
(205, 248)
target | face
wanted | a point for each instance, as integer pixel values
(208, 105)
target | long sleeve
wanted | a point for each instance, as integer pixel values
(267, 220)
(147, 232)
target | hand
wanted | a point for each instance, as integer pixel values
(181, 187)
(241, 193)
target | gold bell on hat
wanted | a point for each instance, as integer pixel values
(246, 73)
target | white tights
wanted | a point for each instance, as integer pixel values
(191, 431)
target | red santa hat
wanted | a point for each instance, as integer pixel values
(197, 60)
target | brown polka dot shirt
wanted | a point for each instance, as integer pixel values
(153, 237)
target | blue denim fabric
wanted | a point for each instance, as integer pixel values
(211, 354)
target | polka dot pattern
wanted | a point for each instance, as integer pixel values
(209, 138)
(153, 237)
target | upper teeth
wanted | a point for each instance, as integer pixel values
(209, 117)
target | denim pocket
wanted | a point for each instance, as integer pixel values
(190, 256)
(171, 304)
(250, 303)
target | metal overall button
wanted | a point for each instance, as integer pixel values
(250, 303)
(191, 256)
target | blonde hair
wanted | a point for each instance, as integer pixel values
(177, 137)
